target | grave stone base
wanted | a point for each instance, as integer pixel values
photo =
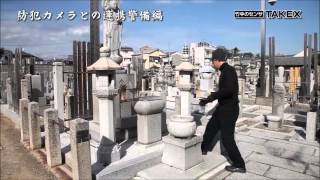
(182, 153)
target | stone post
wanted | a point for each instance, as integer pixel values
(52, 137)
(182, 148)
(80, 149)
(9, 93)
(280, 75)
(95, 104)
(23, 105)
(16, 89)
(143, 85)
(58, 88)
(153, 81)
(275, 120)
(278, 101)
(267, 83)
(149, 111)
(24, 89)
(28, 78)
(69, 104)
(241, 90)
(311, 126)
(34, 125)
(278, 95)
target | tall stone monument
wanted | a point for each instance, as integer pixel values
(275, 120)
(104, 69)
(58, 89)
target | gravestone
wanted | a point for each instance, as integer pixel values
(36, 86)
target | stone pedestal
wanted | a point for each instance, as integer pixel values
(108, 150)
(149, 111)
(106, 113)
(149, 128)
(182, 153)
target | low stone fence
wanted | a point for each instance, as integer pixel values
(30, 127)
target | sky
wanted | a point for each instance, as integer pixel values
(184, 21)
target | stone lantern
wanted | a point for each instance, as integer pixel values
(105, 92)
(182, 148)
(206, 81)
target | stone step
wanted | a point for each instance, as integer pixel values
(213, 164)
(128, 169)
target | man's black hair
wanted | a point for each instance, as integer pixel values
(220, 54)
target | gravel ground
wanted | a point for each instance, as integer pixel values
(16, 161)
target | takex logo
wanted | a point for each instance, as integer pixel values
(275, 14)
(286, 14)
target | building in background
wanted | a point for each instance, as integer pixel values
(152, 56)
(200, 51)
(126, 53)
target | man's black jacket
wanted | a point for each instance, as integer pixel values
(228, 87)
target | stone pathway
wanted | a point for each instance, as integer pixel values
(270, 158)
(16, 161)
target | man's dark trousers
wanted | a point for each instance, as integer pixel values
(224, 119)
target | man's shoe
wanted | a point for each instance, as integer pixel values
(235, 169)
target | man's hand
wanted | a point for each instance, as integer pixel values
(203, 102)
